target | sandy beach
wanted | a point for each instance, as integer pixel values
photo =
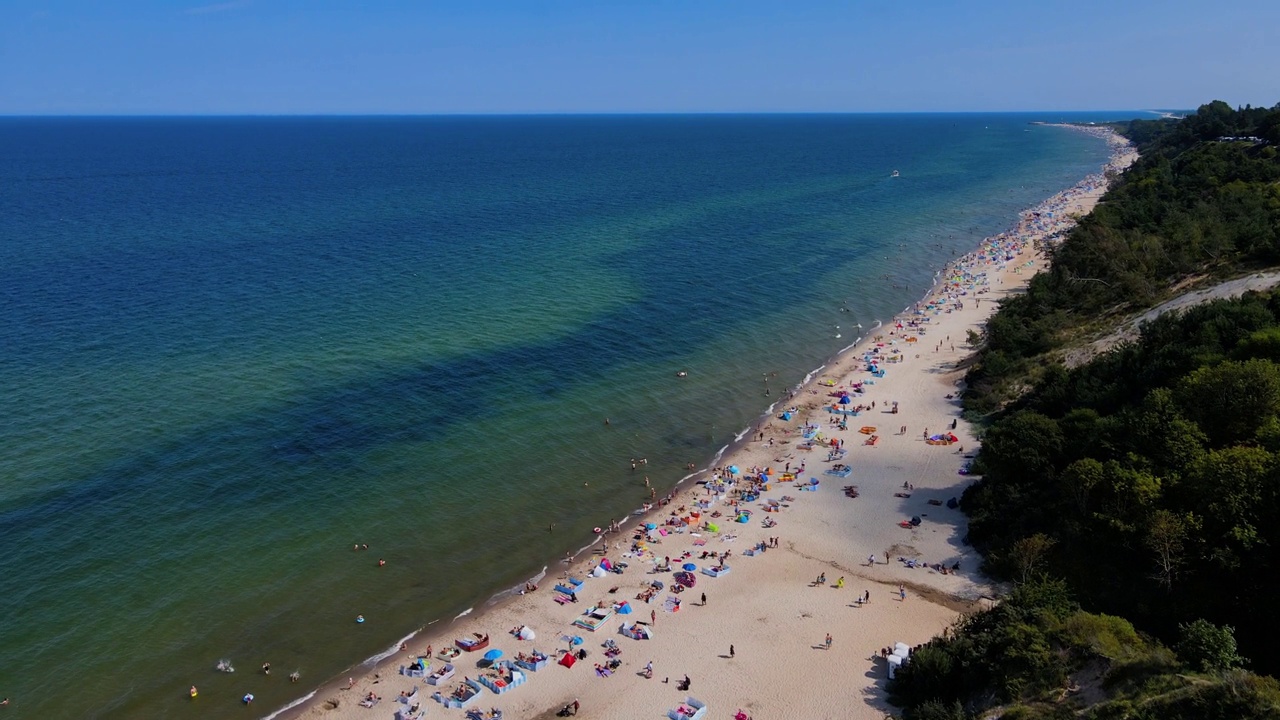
(759, 642)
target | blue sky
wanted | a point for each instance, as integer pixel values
(425, 56)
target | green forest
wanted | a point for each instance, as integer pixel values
(1134, 501)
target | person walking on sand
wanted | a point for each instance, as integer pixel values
(731, 652)
(704, 599)
(828, 642)
(653, 617)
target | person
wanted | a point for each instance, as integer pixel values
(293, 676)
(704, 598)
(648, 669)
(381, 562)
(731, 653)
(266, 668)
(902, 593)
(828, 641)
(687, 682)
(840, 583)
(575, 706)
(192, 692)
(247, 699)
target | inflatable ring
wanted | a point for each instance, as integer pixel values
(596, 530)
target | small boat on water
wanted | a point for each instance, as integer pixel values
(473, 643)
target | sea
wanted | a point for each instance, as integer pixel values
(234, 348)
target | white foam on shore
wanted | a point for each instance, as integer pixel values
(291, 705)
(395, 648)
(720, 453)
(877, 325)
(809, 377)
(696, 473)
(741, 434)
(464, 613)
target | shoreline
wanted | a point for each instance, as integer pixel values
(946, 594)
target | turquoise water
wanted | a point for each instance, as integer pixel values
(234, 347)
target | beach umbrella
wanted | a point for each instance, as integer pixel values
(690, 567)
(650, 526)
(734, 469)
(493, 655)
(844, 400)
(577, 640)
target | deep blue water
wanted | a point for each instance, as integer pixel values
(232, 347)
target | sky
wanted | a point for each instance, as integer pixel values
(125, 57)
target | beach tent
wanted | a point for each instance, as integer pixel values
(624, 608)
(568, 660)
(525, 633)
(713, 527)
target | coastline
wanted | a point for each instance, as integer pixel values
(818, 531)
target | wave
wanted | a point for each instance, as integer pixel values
(720, 453)
(395, 648)
(291, 705)
(809, 377)
(517, 589)
(741, 434)
(464, 613)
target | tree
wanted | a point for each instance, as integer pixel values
(1079, 480)
(1166, 535)
(1230, 399)
(1027, 553)
(937, 710)
(1208, 647)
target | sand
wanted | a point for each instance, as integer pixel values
(768, 607)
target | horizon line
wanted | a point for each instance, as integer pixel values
(610, 113)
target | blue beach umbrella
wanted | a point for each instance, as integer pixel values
(690, 567)
(650, 526)
(734, 469)
(577, 639)
(493, 655)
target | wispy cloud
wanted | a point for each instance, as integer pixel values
(217, 7)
